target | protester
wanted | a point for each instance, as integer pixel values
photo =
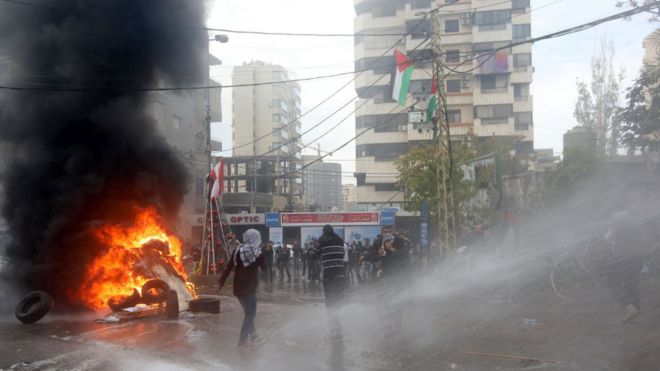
(303, 258)
(393, 262)
(313, 261)
(245, 263)
(283, 256)
(334, 275)
(624, 271)
(269, 257)
(353, 267)
(297, 254)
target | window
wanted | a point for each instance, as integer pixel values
(279, 76)
(494, 84)
(522, 61)
(451, 25)
(278, 103)
(454, 116)
(523, 120)
(379, 65)
(453, 56)
(384, 10)
(279, 118)
(521, 92)
(522, 31)
(422, 58)
(453, 86)
(495, 114)
(176, 123)
(419, 28)
(386, 187)
(419, 4)
(383, 122)
(492, 20)
(520, 4)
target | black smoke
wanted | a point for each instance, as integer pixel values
(73, 159)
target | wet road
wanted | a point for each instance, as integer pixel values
(443, 330)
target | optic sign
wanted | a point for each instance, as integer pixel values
(311, 219)
(245, 219)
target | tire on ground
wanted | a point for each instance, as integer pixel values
(207, 305)
(172, 304)
(154, 292)
(33, 307)
(121, 302)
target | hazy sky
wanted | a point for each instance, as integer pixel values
(558, 62)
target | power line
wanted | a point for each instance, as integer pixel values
(325, 100)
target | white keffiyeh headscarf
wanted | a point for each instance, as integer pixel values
(250, 249)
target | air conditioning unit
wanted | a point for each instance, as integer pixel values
(466, 83)
(403, 127)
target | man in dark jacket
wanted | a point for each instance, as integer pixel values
(297, 255)
(245, 263)
(269, 257)
(334, 275)
(283, 257)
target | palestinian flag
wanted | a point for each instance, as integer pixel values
(402, 74)
(433, 103)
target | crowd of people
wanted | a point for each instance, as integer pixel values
(361, 259)
(327, 259)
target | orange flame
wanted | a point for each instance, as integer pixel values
(115, 273)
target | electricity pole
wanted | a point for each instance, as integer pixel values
(441, 137)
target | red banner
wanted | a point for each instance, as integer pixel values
(366, 218)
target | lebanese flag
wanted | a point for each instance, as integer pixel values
(402, 74)
(217, 176)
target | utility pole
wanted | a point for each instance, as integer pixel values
(445, 204)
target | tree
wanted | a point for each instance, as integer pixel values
(654, 13)
(640, 117)
(597, 101)
(418, 177)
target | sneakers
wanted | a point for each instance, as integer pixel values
(630, 312)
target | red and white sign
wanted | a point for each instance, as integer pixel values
(365, 218)
(245, 219)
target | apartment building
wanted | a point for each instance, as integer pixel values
(487, 94)
(266, 135)
(322, 190)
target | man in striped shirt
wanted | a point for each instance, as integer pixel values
(334, 275)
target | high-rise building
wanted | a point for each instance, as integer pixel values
(266, 137)
(485, 96)
(321, 185)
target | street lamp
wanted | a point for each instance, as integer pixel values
(221, 39)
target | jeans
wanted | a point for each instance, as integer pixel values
(284, 266)
(296, 264)
(249, 304)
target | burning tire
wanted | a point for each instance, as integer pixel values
(154, 292)
(119, 303)
(34, 307)
(172, 304)
(206, 305)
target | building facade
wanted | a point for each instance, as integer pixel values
(486, 96)
(349, 197)
(321, 185)
(266, 133)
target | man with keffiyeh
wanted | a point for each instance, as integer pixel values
(246, 262)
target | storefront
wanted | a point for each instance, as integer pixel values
(303, 227)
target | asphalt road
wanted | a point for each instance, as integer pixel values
(444, 328)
